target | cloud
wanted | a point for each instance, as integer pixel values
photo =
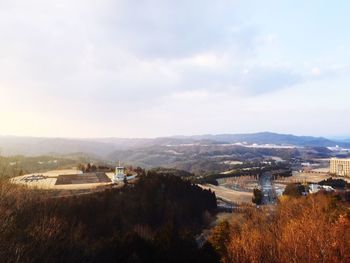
(168, 29)
(127, 50)
(268, 79)
(144, 63)
(131, 54)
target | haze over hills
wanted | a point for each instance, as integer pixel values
(269, 138)
(103, 147)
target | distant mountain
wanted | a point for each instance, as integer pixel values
(103, 147)
(32, 146)
(271, 138)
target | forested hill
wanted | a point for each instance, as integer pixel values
(102, 147)
(271, 138)
(154, 220)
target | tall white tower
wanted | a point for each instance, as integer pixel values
(119, 174)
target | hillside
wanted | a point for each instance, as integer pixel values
(269, 138)
(102, 147)
(158, 216)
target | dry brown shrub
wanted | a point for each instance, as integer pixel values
(311, 229)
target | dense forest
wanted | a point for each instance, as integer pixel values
(154, 220)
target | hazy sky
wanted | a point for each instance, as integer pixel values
(88, 68)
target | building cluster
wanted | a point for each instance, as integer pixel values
(340, 167)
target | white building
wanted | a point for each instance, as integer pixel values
(119, 175)
(314, 188)
(340, 167)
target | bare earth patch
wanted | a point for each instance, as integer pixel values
(49, 179)
(230, 195)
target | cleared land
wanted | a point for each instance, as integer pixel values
(309, 177)
(229, 195)
(239, 183)
(86, 178)
(67, 180)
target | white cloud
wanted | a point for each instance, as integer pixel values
(315, 71)
(99, 58)
(126, 50)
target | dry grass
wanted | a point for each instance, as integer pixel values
(310, 177)
(229, 195)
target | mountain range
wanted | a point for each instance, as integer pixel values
(102, 147)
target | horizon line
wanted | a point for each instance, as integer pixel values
(339, 137)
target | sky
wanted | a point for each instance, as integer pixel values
(136, 68)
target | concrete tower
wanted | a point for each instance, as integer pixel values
(119, 174)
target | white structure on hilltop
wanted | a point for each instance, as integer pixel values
(119, 174)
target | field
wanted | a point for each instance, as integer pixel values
(310, 177)
(87, 178)
(70, 179)
(229, 195)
